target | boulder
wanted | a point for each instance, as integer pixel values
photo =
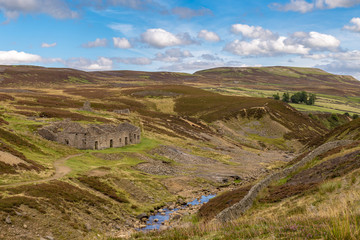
(142, 215)
(8, 220)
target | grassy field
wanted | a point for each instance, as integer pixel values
(324, 103)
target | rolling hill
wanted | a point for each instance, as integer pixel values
(194, 142)
(264, 78)
(283, 79)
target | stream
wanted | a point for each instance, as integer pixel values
(165, 215)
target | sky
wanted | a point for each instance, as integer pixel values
(181, 36)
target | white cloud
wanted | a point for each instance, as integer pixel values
(209, 36)
(355, 27)
(210, 57)
(125, 29)
(294, 5)
(342, 67)
(314, 40)
(173, 55)
(161, 38)
(48, 45)
(56, 8)
(15, 57)
(252, 31)
(305, 6)
(199, 65)
(102, 63)
(188, 13)
(339, 62)
(121, 43)
(346, 56)
(134, 61)
(97, 43)
(330, 4)
(266, 43)
(100, 5)
(353, 55)
(134, 4)
(265, 47)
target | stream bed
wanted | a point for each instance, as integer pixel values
(155, 221)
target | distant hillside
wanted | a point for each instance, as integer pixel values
(284, 78)
(39, 76)
(212, 107)
(264, 78)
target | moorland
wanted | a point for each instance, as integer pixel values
(217, 131)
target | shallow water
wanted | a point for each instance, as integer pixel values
(150, 224)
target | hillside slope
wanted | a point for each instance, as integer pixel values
(318, 201)
(264, 78)
(283, 78)
(193, 143)
(34, 76)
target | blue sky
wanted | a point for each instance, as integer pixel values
(184, 36)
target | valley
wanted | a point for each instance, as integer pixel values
(216, 131)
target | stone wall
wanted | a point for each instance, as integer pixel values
(239, 208)
(91, 136)
(122, 111)
(103, 141)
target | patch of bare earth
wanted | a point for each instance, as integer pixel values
(11, 159)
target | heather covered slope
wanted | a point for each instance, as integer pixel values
(318, 201)
(284, 78)
(194, 142)
(183, 144)
(34, 76)
(264, 78)
(212, 107)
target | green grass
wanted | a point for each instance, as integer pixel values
(72, 79)
(329, 187)
(87, 162)
(324, 103)
(280, 143)
(309, 108)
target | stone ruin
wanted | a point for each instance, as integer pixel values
(122, 111)
(92, 136)
(86, 107)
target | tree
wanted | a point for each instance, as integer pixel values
(286, 97)
(276, 96)
(303, 97)
(311, 100)
(296, 97)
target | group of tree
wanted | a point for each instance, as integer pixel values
(299, 97)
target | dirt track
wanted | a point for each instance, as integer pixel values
(60, 171)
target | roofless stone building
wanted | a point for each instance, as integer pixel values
(92, 136)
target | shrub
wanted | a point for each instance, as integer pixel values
(334, 117)
(286, 97)
(296, 98)
(276, 96)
